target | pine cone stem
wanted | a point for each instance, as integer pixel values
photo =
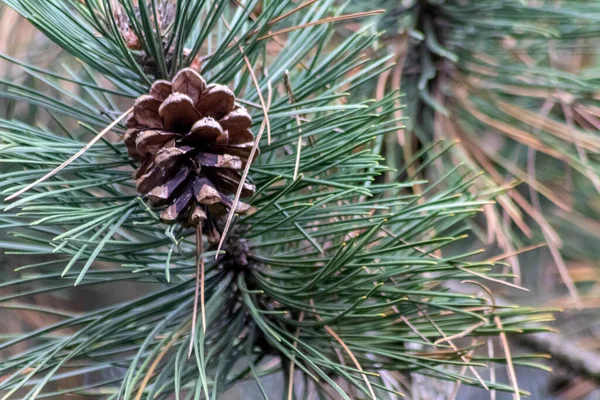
(199, 292)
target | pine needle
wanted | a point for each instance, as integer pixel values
(517, 252)
(292, 363)
(509, 363)
(243, 180)
(266, 124)
(155, 363)
(489, 278)
(278, 41)
(321, 22)
(454, 347)
(505, 345)
(460, 334)
(200, 255)
(290, 93)
(255, 82)
(348, 351)
(73, 158)
(291, 12)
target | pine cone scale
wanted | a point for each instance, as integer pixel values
(149, 142)
(189, 82)
(164, 192)
(219, 161)
(204, 130)
(172, 213)
(216, 102)
(145, 113)
(178, 113)
(161, 89)
(206, 193)
(237, 120)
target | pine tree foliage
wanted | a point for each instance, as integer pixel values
(515, 82)
(334, 274)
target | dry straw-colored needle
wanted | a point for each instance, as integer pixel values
(73, 158)
(321, 22)
(265, 124)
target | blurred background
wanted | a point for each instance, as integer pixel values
(515, 86)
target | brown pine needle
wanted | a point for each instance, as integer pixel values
(266, 124)
(239, 190)
(349, 352)
(281, 17)
(256, 85)
(414, 329)
(461, 334)
(260, 97)
(199, 292)
(321, 22)
(278, 41)
(509, 363)
(455, 348)
(241, 185)
(490, 347)
(155, 363)
(73, 158)
(489, 278)
(353, 358)
(503, 339)
(299, 150)
(517, 252)
(201, 257)
(295, 10)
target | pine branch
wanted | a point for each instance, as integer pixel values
(322, 274)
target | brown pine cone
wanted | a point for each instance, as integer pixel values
(193, 142)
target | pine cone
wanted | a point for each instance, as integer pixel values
(193, 141)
